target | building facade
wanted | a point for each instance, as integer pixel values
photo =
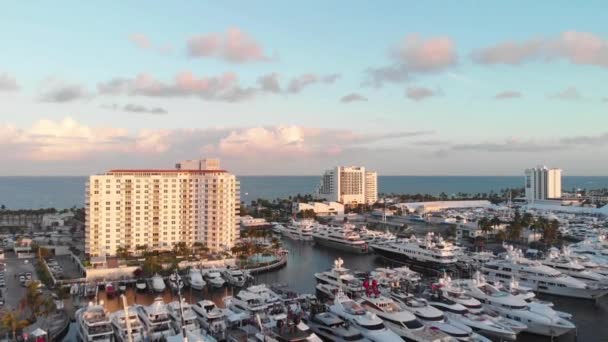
(159, 208)
(542, 183)
(349, 185)
(320, 208)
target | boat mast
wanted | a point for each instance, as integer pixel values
(178, 280)
(127, 319)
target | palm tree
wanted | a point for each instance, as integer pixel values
(122, 252)
(484, 224)
(12, 321)
(33, 299)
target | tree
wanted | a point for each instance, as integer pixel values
(550, 232)
(12, 321)
(122, 252)
(151, 266)
(33, 299)
(484, 224)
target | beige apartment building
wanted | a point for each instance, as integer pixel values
(349, 185)
(195, 202)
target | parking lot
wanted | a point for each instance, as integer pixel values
(14, 289)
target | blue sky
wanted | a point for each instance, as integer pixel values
(489, 89)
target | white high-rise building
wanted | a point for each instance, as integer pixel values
(349, 185)
(542, 183)
(196, 202)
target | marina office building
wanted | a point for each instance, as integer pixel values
(349, 185)
(195, 202)
(542, 183)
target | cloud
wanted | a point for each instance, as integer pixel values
(508, 95)
(140, 40)
(352, 97)
(233, 46)
(414, 55)
(430, 55)
(297, 84)
(270, 83)
(600, 139)
(583, 48)
(420, 93)
(8, 83)
(509, 145)
(135, 108)
(59, 91)
(224, 87)
(568, 94)
(604, 99)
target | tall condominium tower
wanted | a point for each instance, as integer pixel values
(349, 185)
(195, 202)
(543, 183)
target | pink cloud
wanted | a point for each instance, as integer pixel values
(420, 93)
(140, 40)
(431, 55)
(576, 47)
(233, 45)
(297, 84)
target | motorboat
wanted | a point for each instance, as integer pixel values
(331, 328)
(369, 324)
(343, 239)
(234, 277)
(158, 284)
(122, 286)
(74, 289)
(183, 317)
(94, 324)
(156, 320)
(540, 278)
(540, 319)
(212, 318)
(457, 294)
(300, 230)
(340, 276)
(571, 267)
(121, 330)
(175, 282)
(402, 322)
(90, 290)
(141, 285)
(194, 279)
(326, 291)
(213, 277)
(430, 252)
(110, 290)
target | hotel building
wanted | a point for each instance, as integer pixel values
(349, 185)
(542, 183)
(195, 202)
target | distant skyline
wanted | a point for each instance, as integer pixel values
(286, 88)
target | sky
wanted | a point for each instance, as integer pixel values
(293, 88)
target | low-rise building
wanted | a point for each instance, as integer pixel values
(320, 208)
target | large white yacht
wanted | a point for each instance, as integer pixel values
(539, 318)
(340, 276)
(366, 322)
(213, 277)
(119, 323)
(573, 268)
(212, 318)
(401, 321)
(156, 320)
(183, 314)
(451, 291)
(331, 328)
(430, 252)
(539, 277)
(300, 230)
(234, 277)
(158, 284)
(340, 238)
(94, 324)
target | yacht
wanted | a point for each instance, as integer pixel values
(234, 277)
(175, 282)
(141, 285)
(158, 284)
(395, 277)
(453, 292)
(540, 319)
(343, 239)
(402, 322)
(122, 286)
(340, 276)
(431, 252)
(121, 330)
(185, 314)
(94, 324)
(429, 315)
(90, 290)
(571, 267)
(326, 291)
(194, 279)
(366, 322)
(156, 320)
(300, 230)
(212, 318)
(331, 328)
(214, 278)
(539, 277)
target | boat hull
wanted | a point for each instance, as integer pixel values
(341, 246)
(404, 259)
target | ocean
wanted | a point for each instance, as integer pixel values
(66, 192)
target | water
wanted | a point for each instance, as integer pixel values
(305, 259)
(66, 192)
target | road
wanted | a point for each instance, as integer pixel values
(14, 291)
